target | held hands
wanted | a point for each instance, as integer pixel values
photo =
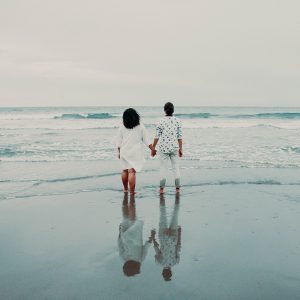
(180, 153)
(153, 232)
(152, 237)
(153, 152)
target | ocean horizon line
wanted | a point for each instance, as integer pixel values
(122, 106)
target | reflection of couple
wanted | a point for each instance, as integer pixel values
(131, 247)
(133, 134)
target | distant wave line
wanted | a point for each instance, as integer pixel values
(195, 115)
(88, 116)
(285, 115)
(206, 115)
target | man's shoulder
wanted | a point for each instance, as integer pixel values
(177, 120)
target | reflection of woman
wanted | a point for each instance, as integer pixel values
(130, 241)
(168, 252)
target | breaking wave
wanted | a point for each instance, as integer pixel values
(285, 115)
(196, 116)
(206, 115)
(87, 116)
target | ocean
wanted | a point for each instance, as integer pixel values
(60, 150)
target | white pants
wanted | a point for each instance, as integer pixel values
(164, 159)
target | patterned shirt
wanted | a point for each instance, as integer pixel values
(168, 131)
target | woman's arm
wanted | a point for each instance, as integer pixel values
(119, 141)
(146, 140)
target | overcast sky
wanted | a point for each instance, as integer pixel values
(130, 52)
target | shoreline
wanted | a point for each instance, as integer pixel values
(61, 178)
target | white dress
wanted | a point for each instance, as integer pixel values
(131, 143)
(130, 241)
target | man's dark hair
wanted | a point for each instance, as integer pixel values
(167, 274)
(169, 108)
(131, 118)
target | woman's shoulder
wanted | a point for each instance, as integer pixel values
(141, 126)
(121, 127)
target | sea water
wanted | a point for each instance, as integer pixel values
(61, 150)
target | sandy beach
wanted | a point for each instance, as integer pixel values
(237, 242)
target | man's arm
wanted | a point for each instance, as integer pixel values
(158, 132)
(152, 148)
(179, 137)
(180, 147)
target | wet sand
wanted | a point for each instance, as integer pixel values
(236, 242)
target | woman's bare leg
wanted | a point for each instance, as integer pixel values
(125, 180)
(132, 180)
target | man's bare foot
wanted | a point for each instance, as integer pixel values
(161, 190)
(177, 190)
(125, 191)
(132, 193)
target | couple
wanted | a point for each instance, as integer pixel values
(133, 250)
(131, 137)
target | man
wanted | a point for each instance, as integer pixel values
(169, 136)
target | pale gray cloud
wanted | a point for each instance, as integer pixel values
(143, 52)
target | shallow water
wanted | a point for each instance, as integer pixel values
(237, 242)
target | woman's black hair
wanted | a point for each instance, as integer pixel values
(131, 268)
(131, 118)
(169, 109)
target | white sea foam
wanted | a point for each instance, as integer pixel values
(215, 137)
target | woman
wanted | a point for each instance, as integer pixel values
(131, 138)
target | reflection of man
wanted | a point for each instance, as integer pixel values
(130, 241)
(168, 252)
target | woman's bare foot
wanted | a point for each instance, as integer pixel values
(177, 190)
(125, 191)
(161, 190)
